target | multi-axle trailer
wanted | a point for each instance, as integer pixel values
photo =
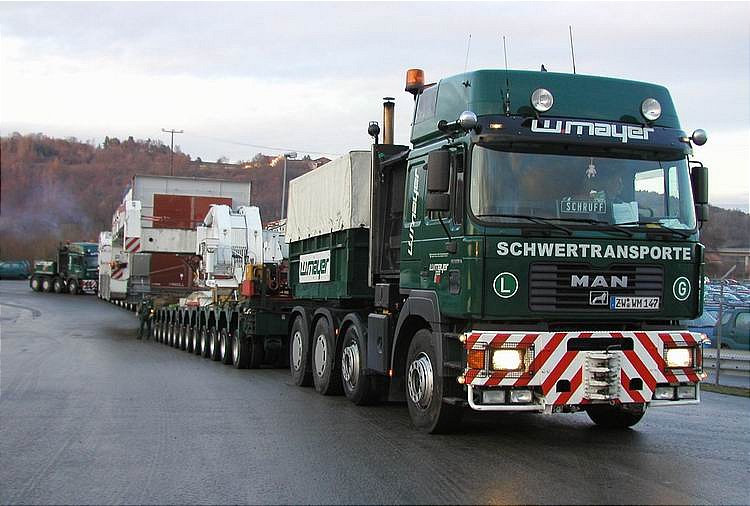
(534, 250)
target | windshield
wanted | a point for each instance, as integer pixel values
(92, 262)
(574, 187)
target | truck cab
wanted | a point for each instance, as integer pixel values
(545, 239)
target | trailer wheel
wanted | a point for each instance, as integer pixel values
(240, 351)
(214, 345)
(189, 329)
(197, 339)
(616, 417)
(225, 348)
(326, 364)
(425, 389)
(358, 388)
(35, 284)
(57, 285)
(203, 348)
(73, 287)
(299, 354)
(46, 285)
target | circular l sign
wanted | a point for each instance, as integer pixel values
(505, 285)
(681, 288)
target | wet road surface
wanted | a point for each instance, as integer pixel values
(88, 414)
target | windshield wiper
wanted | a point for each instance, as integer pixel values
(681, 233)
(608, 226)
(533, 219)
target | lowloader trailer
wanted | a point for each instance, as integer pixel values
(532, 251)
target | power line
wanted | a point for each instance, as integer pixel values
(171, 150)
(259, 146)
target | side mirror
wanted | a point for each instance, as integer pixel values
(699, 182)
(701, 212)
(438, 180)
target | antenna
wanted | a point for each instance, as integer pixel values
(572, 53)
(468, 48)
(506, 102)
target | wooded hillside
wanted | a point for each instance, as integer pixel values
(54, 190)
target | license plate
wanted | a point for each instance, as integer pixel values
(617, 303)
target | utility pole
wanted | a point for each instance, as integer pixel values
(171, 148)
(287, 156)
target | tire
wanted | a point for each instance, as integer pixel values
(204, 342)
(325, 361)
(172, 332)
(35, 284)
(616, 417)
(214, 345)
(425, 389)
(225, 347)
(197, 331)
(183, 336)
(240, 351)
(358, 388)
(189, 339)
(299, 354)
(58, 286)
(46, 285)
(73, 287)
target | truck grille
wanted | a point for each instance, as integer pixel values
(550, 285)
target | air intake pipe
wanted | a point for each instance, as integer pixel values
(388, 107)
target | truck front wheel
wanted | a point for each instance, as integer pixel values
(73, 287)
(425, 388)
(616, 417)
(35, 284)
(358, 388)
(326, 365)
(299, 354)
(58, 286)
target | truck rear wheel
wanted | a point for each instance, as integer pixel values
(358, 388)
(616, 417)
(46, 285)
(225, 348)
(326, 364)
(73, 287)
(240, 351)
(58, 286)
(214, 344)
(299, 354)
(425, 388)
(35, 283)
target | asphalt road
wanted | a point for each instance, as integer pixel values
(88, 414)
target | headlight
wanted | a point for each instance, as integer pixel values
(542, 100)
(507, 360)
(679, 357)
(651, 109)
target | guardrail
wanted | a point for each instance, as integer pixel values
(733, 362)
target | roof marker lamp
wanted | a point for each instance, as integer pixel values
(651, 109)
(542, 100)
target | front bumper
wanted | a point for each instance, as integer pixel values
(566, 371)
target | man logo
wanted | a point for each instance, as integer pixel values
(598, 281)
(598, 298)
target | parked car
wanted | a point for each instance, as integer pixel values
(15, 269)
(705, 324)
(735, 328)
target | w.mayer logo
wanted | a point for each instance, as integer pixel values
(592, 129)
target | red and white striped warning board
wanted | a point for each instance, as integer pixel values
(132, 244)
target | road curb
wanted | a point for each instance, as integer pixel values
(727, 390)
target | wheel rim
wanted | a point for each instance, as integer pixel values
(297, 350)
(195, 338)
(420, 381)
(236, 348)
(203, 341)
(321, 354)
(222, 345)
(212, 344)
(350, 365)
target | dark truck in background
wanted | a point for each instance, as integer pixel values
(75, 270)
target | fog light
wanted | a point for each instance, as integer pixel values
(686, 392)
(493, 396)
(679, 357)
(664, 393)
(520, 396)
(507, 360)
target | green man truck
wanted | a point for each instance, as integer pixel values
(75, 270)
(532, 251)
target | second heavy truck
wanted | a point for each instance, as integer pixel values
(534, 250)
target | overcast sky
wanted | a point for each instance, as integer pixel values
(309, 76)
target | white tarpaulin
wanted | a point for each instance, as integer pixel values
(333, 197)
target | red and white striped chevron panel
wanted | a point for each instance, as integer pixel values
(553, 362)
(132, 244)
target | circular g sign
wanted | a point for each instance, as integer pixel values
(505, 285)
(681, 288)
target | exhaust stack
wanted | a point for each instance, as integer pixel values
(388, 107)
